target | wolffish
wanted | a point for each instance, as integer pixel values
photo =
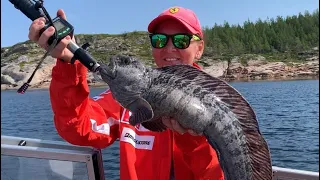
(197, 101)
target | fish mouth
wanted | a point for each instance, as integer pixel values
(108, 71)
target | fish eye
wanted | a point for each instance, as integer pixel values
(127, 60)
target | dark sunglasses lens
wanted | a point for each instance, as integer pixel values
(158, 40)
(181, 41)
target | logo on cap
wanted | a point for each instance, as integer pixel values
(174, 10)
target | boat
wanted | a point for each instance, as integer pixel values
(48, 160)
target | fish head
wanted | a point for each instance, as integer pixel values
(126, 76)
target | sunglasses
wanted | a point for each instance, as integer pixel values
(180, 41)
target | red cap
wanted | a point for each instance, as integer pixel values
(185, 16)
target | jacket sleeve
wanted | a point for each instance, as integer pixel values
(197, 156)
(79, 119)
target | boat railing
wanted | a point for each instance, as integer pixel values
(27, 158)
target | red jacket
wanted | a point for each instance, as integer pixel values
(99, 121)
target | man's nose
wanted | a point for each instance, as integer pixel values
(170, 46)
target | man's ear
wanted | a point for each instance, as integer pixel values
(200, 49)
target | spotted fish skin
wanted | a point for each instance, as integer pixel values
(199, 102)
(197, 109)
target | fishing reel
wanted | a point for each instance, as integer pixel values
(34, 10)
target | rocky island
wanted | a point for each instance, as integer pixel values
(281, 49)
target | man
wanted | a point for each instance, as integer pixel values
(98, 122)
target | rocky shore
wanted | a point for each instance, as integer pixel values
(13, 75)
(260, 69)
(19, 61)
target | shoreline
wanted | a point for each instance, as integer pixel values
(102, 85)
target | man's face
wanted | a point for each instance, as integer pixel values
(170, 55)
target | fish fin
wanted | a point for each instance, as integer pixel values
(141, 111)
(188, 75)
(155, 125)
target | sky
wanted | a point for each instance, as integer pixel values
(119, 16)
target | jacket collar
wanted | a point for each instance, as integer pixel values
(196, 65)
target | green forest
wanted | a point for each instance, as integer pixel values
(281, 35)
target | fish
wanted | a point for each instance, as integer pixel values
(198, 101)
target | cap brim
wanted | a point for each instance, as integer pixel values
(159, 19)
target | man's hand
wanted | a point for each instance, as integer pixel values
(175, 126)
(60, 51)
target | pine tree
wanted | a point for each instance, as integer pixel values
(291, 35)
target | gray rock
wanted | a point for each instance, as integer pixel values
(5, 79)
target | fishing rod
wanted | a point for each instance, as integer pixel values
(33, 10)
